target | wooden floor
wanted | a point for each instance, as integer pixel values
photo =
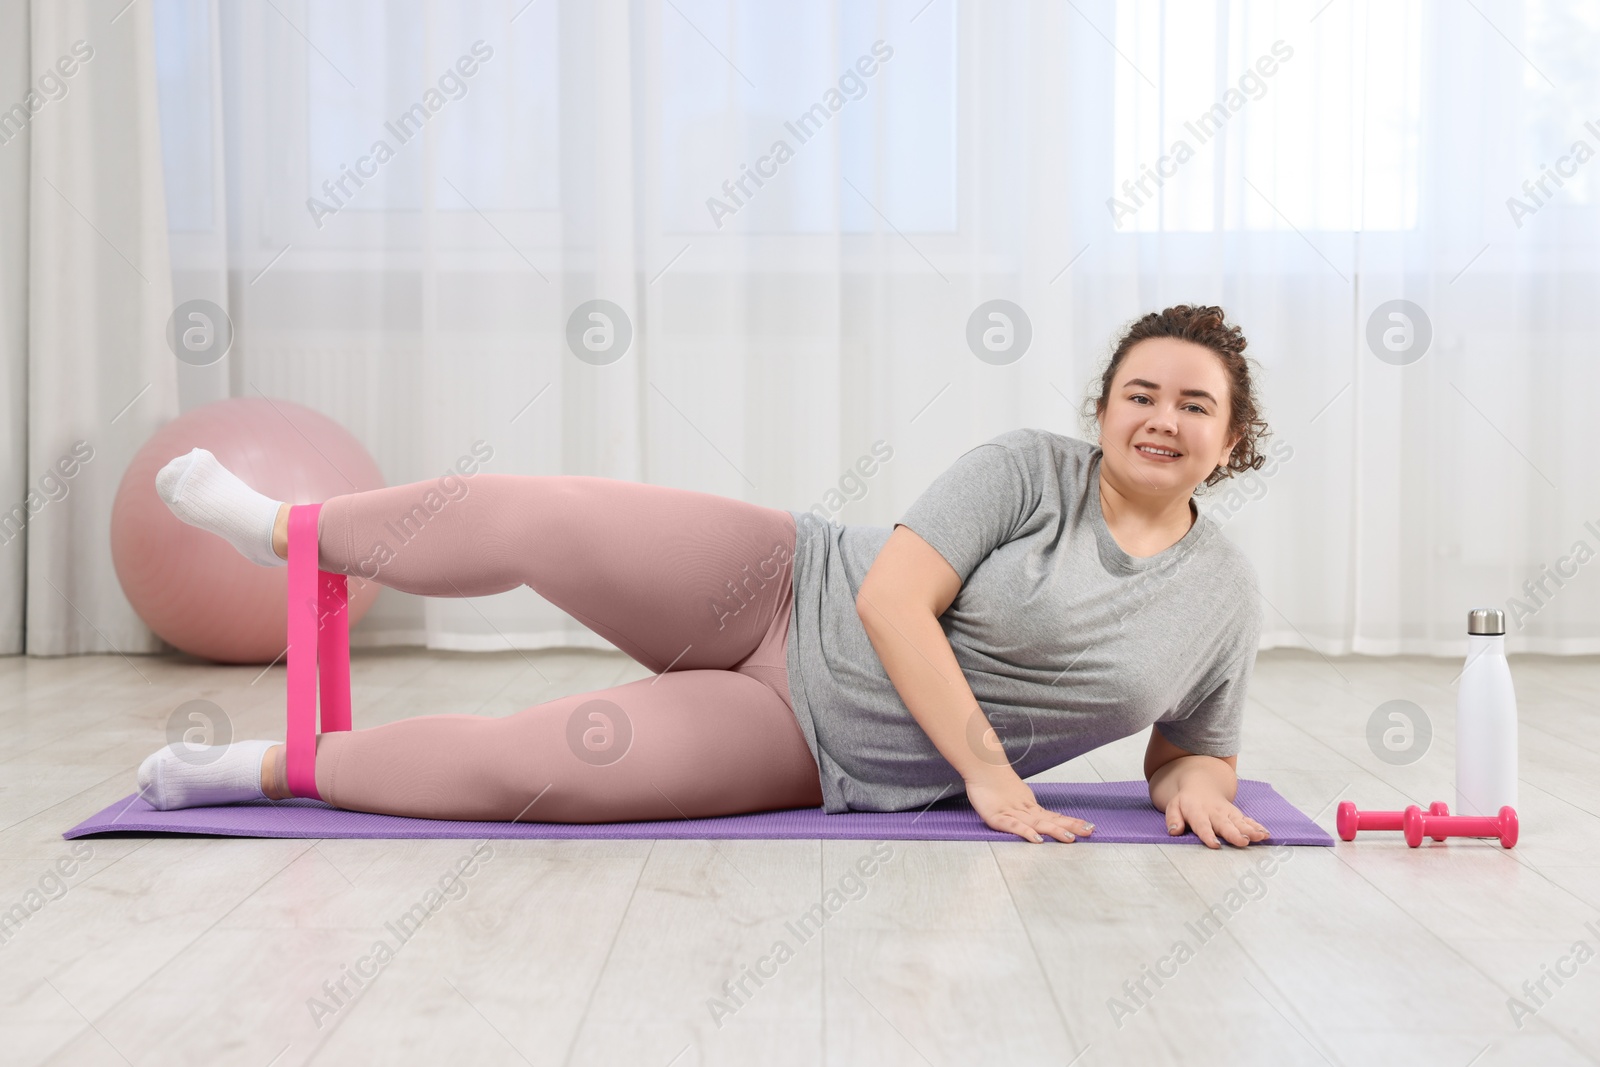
(211, 950)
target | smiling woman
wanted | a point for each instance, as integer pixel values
(1056, 595)
(1044, 597)
(1183, 339)
(1176, 410)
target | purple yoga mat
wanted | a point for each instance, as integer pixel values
(1120, 811)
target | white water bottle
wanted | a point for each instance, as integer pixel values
(1486, 720)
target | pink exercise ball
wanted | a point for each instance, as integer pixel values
(190, 586)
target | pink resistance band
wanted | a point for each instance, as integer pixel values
(319, 635)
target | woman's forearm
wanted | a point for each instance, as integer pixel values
(1205, 771)
(920, 662)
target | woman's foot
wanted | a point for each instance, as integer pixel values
(204, 493)
(192, 776)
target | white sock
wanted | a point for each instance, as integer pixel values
(192, 776)
(204, 493)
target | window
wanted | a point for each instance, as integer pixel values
(372, 79)
(1321, 116)
(745, 83)
(183, 78)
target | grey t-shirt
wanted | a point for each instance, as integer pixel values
(1067, 641)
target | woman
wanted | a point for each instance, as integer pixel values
(1043, 597)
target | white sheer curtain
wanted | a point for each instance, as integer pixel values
(85, 291)
(1302, 165)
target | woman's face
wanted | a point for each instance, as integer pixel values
(1172, 395)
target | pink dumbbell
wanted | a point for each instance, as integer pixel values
(1438, 827)
(1350, 820)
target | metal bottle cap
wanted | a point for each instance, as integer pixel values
(1487, 621)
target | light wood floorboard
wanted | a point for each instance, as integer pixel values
(218, 951)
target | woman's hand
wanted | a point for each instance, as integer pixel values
(1210, 813)
(1005, 803)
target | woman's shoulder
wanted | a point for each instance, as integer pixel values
(1040, 452)
(1032, 439)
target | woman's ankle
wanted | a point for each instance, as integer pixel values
(274, 784)
(280, 533)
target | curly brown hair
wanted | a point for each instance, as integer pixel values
(1208, 326)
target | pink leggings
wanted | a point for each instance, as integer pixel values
(694, 586)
